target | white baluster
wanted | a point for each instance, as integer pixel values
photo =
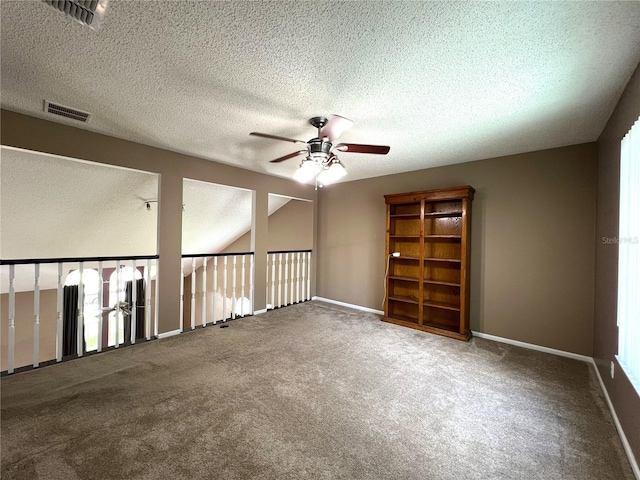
(80, 328)
(242, 286)
(251, 282)
(266, 288)
(292, 279)
(117, 305)
(182, 296)
(193, 293)
(286, 278)
(279, 280)
(204, 292)
(59, 331)
(224, 290)
(273, 280)
(309, 276)
(215, 289)
(157, 300)
(304, 275)
(100, 306)
(147, 300)
(233, 289)
(12, 318)
(298, 278)
(133, 318)
(36, 316)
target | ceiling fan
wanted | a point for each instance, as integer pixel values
(321, 159)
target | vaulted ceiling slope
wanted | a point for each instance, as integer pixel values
(53, 207)
(441, 82)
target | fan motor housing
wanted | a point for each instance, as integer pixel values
(319, 150)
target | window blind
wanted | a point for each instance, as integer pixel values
(629, 257)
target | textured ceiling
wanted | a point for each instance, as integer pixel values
(52, 207)
(440, 82)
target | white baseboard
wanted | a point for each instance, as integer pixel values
(531, 346)
(168, 334)
(350, 305)
(260, 312)
(623, 437)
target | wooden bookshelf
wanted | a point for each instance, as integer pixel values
(428, 283)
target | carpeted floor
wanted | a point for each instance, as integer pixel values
(310, 391)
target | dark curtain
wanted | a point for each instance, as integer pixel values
(139, 310)
(70, 320)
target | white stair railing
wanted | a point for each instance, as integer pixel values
(134, 307)
(80, 327)
(220, 278)
(288, 277)
(193, 293)
(43, 281)
(36, 316)
(182, 298)
(12, 318)
(59, 329)
(117, 311)
(100, 304)
(233, 289)
(215, 289)
(147, 301)
(242, 287)
(224, 288)
(279, 280)
(204, 292)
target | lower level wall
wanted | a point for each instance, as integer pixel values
(24, 328)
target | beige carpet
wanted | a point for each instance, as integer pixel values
(310, 391)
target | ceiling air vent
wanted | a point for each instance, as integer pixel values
(87, 12)
(68, 112)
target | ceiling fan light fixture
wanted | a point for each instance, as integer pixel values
(321, 161)
(307, 171)
(331, 174)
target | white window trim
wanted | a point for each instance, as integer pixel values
(629, 257)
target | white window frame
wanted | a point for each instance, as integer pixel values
(629, 257)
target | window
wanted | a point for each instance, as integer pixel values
(629, 257)
(91, 283)
(118, 293)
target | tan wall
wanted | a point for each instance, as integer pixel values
(290, 228)
(605, 346)
(243, 244)
(24, 328)
(532, 252)
(22, 131)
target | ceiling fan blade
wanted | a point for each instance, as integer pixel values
(361, 148)
(287, 157)
(276, 137)
(335, 127)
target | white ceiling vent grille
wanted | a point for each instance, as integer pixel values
(57, 109)
(87, 12)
